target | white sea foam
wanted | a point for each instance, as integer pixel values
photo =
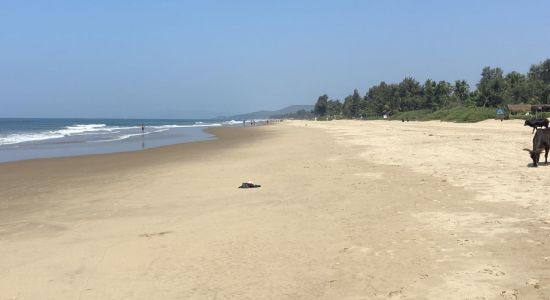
(28, 137)
(207, 125)
(78, 129)
(232, 122)
(186, 126)
(126, 136)
(96, 133)
(92, 129)
(113, 128)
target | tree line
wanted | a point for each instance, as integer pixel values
(494, 89)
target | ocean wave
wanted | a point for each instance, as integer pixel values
(232, 122)
(96, 133)
(127, 136)
(77, 129)
(80, 128)
(92, 130)
(197, 124)
(11, 139)
(207, 125)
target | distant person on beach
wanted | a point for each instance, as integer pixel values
(244, 123)
(142, 128)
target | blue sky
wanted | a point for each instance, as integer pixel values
(187, 59)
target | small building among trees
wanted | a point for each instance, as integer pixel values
(518, 108)
(527, 108)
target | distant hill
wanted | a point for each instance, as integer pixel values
(265, 114)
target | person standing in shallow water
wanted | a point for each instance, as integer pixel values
(142, 128)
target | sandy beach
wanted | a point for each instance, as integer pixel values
(347, 210)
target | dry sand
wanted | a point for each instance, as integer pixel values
(347, 210)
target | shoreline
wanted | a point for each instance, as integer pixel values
(45, 174)
(338, 216)
(136, 142)
(215, 131)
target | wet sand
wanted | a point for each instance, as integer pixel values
(347, 210)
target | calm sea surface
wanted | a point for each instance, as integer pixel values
(38, 138)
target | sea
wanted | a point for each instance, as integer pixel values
(25, 138)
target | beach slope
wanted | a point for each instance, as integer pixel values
(347, 210)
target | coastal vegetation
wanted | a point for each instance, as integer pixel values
(454, 114)
(450, 101)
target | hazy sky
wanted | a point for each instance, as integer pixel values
(185, 59)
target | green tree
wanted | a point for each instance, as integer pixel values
(540, 71)
(375, 98)
(394, 100)
(352, 104)
(461, 91)
(517, 88)
(539, 82)
(443, 94)
(321, 106)
(491, 87)
(429, 95)
(410, 94)
(334, 108)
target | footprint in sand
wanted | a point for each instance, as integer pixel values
(492, 270)
(510, 294)
(149, 235)
(465, 242)
(396, 294)
(534, 282)
(469, 254)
